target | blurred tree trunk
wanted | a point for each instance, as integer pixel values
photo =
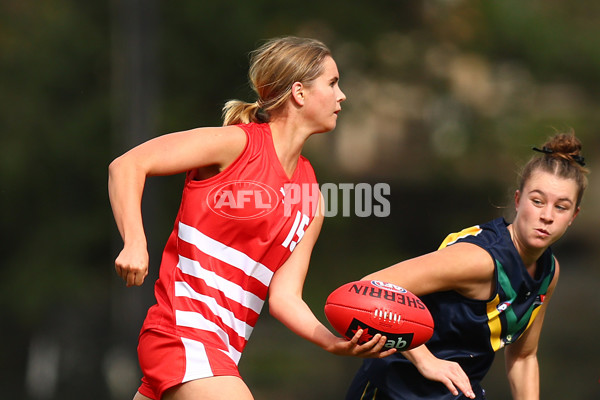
(134, 100)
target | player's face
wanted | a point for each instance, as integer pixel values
(323, 97)
(545, 209)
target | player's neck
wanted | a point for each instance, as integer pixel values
(529, 255)
(288, 141)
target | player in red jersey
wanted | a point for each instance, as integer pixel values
(247, 224)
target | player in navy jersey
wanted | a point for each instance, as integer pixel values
(487, 288)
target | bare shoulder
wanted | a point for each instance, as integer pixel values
(185, 150)
(469, 260)
(222, 135)
(554, 281)
(556, 266)
(220, 146)
(474, 270)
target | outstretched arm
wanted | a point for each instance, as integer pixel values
(164, 155)
(287, 305)
(464, 268)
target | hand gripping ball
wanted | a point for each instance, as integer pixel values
(379, 307)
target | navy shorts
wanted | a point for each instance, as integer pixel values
(362, 388)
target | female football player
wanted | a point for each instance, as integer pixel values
(487, 288)
(238, 233)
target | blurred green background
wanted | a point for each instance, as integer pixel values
(445, 100)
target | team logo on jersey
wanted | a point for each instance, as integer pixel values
(503, 306)
(242, 199)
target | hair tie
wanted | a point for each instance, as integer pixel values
(544, 150)
(577, 158)
(261, 114)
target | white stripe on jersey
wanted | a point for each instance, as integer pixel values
(244, 330)
(196, 361)
(225, 253)
(192, 319)
(233, 291)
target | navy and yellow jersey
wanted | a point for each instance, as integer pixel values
(466, 331)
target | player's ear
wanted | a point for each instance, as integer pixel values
(517, 199)
(574, 215)
(298, 93)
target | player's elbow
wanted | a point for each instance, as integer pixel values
(282, 304)
(116, 166)
(276, 306)
(128, 166)
(514, 357)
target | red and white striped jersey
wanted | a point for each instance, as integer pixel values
(232, 232)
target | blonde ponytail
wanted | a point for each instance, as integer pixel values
(241, 112)
(274, 67)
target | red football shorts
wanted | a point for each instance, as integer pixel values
(168, 360)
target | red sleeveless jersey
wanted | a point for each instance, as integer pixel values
(232, 232)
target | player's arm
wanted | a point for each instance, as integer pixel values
(287, 305)
(165, 155)
(462, 267)
(521, 357)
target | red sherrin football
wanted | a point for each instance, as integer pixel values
(379, 307)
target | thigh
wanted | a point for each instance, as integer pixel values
(213, 388)
(139, 396)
